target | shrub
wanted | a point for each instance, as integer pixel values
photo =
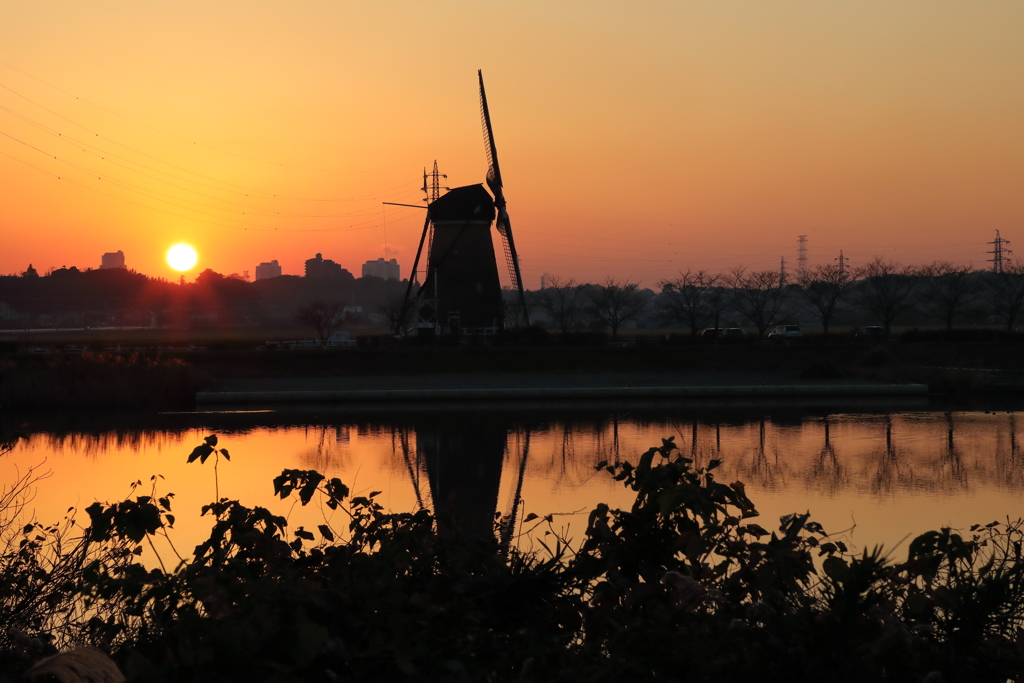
(684, 585)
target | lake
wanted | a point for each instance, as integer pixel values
(870, 476)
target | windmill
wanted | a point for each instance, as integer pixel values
(461, 292)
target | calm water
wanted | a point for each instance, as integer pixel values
(870, 477)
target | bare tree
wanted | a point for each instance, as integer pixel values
(615, 303)
(825, 289)
(758, 296)
(947, 290)
(564, 302)
(693, 298)
(325, 317)
(886, 290)
(1005, 292)
(396, 313)
(515, 315)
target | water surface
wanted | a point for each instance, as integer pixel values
(872, 477)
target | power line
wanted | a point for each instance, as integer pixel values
(353, 227)
(240, 189)
(173, 135)
(131, 187)
(98, 152)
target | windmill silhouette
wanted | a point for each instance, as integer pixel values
(461, 293)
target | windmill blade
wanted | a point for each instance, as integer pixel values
(503, 223)
(493, 170)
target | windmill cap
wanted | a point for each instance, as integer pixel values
(471, 202)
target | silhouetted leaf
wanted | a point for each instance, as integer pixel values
(837, 569)
(755, 530)
(326, 532)
(309, 486)
(224, 452)
(198, 452)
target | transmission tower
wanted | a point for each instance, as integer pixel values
(432, 188)
(432, 184)
(844, 263)
(782, 272)
(999, 252)
(801, 259)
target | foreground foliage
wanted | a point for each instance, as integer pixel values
(683, 586)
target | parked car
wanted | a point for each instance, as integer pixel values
(709, 335)
(785, 333)
(870, 333)
(733, 335)
(722, 335)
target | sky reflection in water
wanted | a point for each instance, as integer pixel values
(890, 475)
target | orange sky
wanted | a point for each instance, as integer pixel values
(635, 139)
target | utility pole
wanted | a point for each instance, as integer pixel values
(782, 273)
(844, 263)
(801, 260)
(999, 252)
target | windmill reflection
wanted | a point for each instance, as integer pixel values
(463, 461)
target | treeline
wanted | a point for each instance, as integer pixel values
(68, 297)
(882, 293)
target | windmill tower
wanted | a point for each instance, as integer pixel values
(461, 292)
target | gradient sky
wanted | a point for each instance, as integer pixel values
(636, 139)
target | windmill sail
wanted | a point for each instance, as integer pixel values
(495, 185)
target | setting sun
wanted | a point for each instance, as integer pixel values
(181, 257)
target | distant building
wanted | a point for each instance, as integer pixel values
(265, 271)
(544, 280)
(113, 259)
(319, 267)
(385, 270)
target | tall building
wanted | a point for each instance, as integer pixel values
(385, 270)
(319, 267)
(113, 259)
(265, 271)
